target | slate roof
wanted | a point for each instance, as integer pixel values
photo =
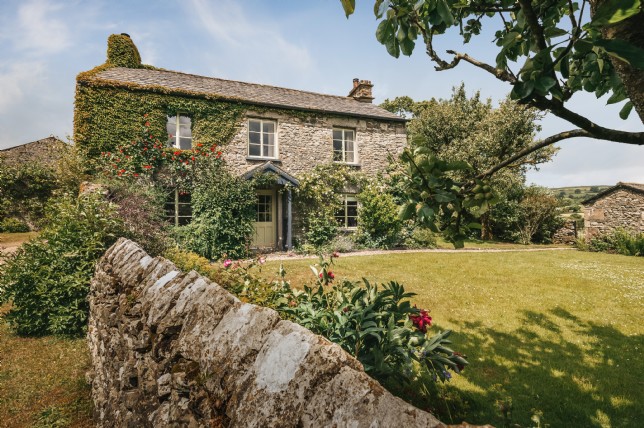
(251, 93)
(632, 186)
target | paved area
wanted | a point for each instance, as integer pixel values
(294, 256)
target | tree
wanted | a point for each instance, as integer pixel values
(538, 212)
(562, 50)
(471, 130)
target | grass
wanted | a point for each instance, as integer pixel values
(42, 379)
(555, 335)
(13, 239)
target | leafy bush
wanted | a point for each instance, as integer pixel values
(318, 198)
(25, 190)
(47, 279)
(223, 210)
(376, 325)
(13, 225)
(140, 207)
(378, 222)
(619, 241)
(419, 237)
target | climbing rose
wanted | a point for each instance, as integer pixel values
(422, 320)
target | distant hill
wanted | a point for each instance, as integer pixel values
(571, 197)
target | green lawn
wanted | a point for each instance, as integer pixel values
(558, 333)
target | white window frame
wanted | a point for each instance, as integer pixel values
(176, 138)
(344, 145)
(261, 138)
(174, 218)
(345, 208)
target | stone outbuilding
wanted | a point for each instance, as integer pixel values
(620, 206)
(46, 151)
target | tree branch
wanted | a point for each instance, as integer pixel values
(533, 21)
(499, 73)
(533, 148)
(596, 131)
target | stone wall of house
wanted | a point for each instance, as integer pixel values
(622, 208)
(306, 140)
(567, 234)
(174, 349)
(46, 151)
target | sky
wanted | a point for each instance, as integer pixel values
(307, 45)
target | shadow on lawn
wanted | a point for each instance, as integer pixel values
(567, 371)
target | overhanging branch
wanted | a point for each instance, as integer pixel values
(533, 148)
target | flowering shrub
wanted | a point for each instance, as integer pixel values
(148, 156)
(376, 325)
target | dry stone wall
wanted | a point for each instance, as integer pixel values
(174, 349)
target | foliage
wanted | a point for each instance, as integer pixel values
(140, 208)
(619, 241)
(24, 191)
(319, 197)
(439, 202)
(559, 50)
(538, 215)
(147, 159)
(419, 237)
(223, 211)
(47, 279)
(376, 325)
(378, 222)
(122, 52)
(462, 129)
(13, 225)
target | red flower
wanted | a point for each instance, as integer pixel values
(135, 174)
(145, 115)
(147, 166)
(199, 145)
(147, 123)
(193, 158)
(422, 320)
(177, 153)
(329, 275)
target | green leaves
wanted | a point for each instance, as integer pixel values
(624, 51)
(613, 11)
(349, 7)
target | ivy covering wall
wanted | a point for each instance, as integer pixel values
(107, 114)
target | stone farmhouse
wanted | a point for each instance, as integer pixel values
(620, 206)
(258, 128)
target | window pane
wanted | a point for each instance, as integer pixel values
(171, 127)
(253, 150)
(185, 120)
(185, 143)
(348, 135)
(352, 209)
(337, 156)
(254, 125)
(254, 138)
(185, 131)
(349, 151)
(337, 134)
(269, 127)
(269, 139)
(352, 222)
(185, 210)
(337, 145)
(269, 151)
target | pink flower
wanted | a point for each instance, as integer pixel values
(261, 260)
(335, 254)
(227, 263)
(329, 275)
(422, 320)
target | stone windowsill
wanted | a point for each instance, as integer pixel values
(262, 159)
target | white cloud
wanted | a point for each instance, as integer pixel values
(257, 41)
(38, 29)
(14, 80)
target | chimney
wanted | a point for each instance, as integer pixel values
(361, 90)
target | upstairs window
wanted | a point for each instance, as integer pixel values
(178, 210)
(347, 216)
(344, 145)
(261, 138)
(179, 132)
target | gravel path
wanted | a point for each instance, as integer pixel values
(293, 256)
